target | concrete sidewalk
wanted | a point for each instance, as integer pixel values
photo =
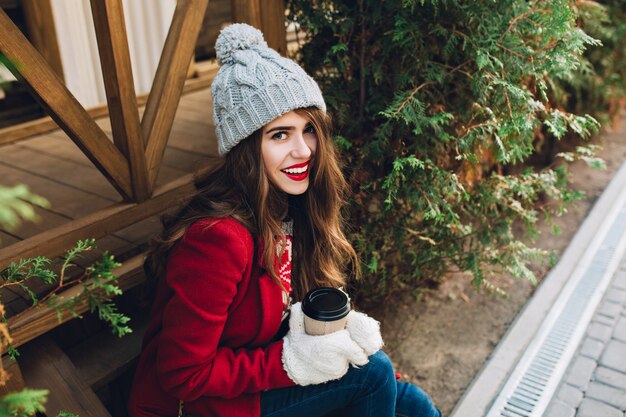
(565, 354)
(594, 384)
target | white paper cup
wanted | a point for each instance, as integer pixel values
(325, 310)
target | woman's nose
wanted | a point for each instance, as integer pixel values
(300, 148)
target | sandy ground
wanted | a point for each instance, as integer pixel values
(441, 341)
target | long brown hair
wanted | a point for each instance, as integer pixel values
(239, 187)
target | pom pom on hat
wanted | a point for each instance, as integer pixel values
(238, 36)
(255, 85)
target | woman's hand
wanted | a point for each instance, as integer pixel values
(365, 331)
(317, 359)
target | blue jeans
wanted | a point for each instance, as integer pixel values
(368, 391)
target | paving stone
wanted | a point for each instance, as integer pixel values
(620, 330)
(605, 320)
(610, 377)
(609, 395)
(614, 356)
(615, 294)
(610, 309)
(558, 409)
(570, 395)
(593, 408)
(619, 279)
(592, 348)
(600, 331)
(580, 372)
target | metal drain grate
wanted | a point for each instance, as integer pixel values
(532, 384)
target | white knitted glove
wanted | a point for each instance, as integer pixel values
(365, 331)
(317, 359)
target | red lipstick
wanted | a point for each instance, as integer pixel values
(299, 176)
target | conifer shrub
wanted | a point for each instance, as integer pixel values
(98, 283)
(438, 103)
(600, 87)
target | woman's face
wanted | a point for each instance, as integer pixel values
(288, 143)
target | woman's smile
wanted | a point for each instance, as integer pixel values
(297, 172)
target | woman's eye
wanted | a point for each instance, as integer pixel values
(279, 136)
(309, 129)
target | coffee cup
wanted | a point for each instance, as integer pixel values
(325, 310)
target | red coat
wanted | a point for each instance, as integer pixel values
(213, 319)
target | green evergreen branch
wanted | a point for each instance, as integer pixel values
(23, 403)
(99, 285)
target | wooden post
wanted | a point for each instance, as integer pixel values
(108, 17)
(169, 81)
(62, 106)
(42, 31)
(267, 16)
(247, 11)
(274, 28)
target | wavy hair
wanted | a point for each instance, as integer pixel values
(238, 187)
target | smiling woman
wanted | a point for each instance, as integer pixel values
(288, 144)
(227, 333)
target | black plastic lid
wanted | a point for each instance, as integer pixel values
(326, 304)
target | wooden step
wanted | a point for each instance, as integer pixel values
(103, 357)
(45, 366)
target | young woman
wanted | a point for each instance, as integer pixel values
(264, 228)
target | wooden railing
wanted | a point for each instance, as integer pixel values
(132, 160)
(137, 144)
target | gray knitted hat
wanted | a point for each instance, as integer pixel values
(255, 85)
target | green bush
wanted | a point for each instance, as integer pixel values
(99, 286)
(438, 103)
(600, 87)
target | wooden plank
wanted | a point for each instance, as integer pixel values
(8, 294)
(7, 239)
(189, 153)
(199, 102)
(101, 223)
(82, 177)
(115, 245)
(65, 153)
(197, 132)
(42, 32)
(169, 80)
(45, 220)
(183, 139)
(247, 11)
(35, 127)
(108, 17)
(193, 136)
(16, 306)
(104, 356)
(64, 200)
(62, 106)
(45, 366)
(58, 145)
(273, 25)
(199, 97)
(198, 115)
(185, 160)
(141, 232)
(16, 379)
(46, 124)
(34, 322)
